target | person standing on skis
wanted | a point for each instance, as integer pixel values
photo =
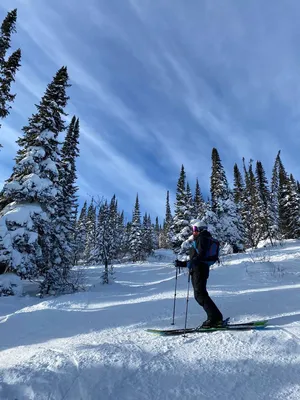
(199, 271)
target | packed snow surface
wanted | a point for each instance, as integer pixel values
(93, 344)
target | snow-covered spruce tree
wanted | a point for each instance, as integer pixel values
(268, 221)
(110, 238)
(298, 187)
(30, 242)
(80, 235)
(229, 228)
(166, 234)
(238, 185)
(91, 242)
(275, 195)
(121, 238)
(199, 203)
(162, 239)
(181, 222)
(156, 234)
(67, 177)
(288, 206)
(8, 65)
(104, 240)
(190, 202)
(252, 213)
(114, 229)
(126, 242)
(135, 239)
(230, 223)
(295, 207)
(147, 236)
(218, 182)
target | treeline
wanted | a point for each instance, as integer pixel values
(103, 236)
(253, 210)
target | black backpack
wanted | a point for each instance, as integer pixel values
(212, 252)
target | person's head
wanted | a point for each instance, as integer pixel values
(199, 227)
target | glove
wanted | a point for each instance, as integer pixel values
(180, 264)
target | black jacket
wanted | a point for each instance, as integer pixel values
(202, 246)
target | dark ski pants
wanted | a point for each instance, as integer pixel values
(199, 277)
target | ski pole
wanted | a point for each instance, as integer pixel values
(187, 304)
(175, 296)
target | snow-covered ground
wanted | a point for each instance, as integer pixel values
(93, 345)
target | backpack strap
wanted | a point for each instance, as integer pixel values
(195, 247)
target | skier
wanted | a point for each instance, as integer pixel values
(199, 271)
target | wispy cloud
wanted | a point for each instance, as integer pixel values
(158, 84)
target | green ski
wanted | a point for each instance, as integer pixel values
(253, 325)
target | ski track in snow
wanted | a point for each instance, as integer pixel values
(93, 345)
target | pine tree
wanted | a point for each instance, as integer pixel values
(275, 196)
(106, 230)
(199, 204)
(165, 235)
(147, 236)
(181, 221)
(252, 213)
(113, 223)
(8, 65)
(298, 187)
(80, 240)
(268, 221)
(34, 185)
(294, 207)
(156, 231)
(121, 238)
(127, 237)
(90, 251)
(218, 182)
(135, 239)
(67, 174)
(229, 228)
(288, 205)
(238, 184)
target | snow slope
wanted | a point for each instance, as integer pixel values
(93, 345)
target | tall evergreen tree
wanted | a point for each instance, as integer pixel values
(121, 237)
(104, 239)
(189, 203)
(8, 65)
(295, 207)
(268, 221)
(181, 221)
(90, 251)
(298, 187)
(229, 228)
(157, 231)
(165, 235)
(135, 240)
(34, 184)
(275, 196)
(252, 212)
(80, 240)
(219, 188)
(238, 185)
(199, 204)
(68, 177)
(147, 236)
(288, 206)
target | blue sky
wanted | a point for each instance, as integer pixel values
(157, 84)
